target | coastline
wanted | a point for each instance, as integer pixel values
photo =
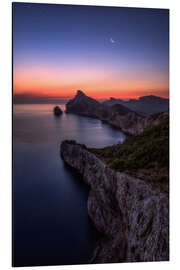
(117, 115)
(129, 213)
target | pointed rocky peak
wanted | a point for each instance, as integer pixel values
(80, 93)
(82, 104)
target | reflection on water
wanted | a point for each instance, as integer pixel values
(37, 124)
(51, 224)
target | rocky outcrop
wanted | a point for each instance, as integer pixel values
(116, 115)
(132, 217)
(57, 111)
(83, 105)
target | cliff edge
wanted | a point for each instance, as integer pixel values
(132, 216)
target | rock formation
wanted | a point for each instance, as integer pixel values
(131, 215)
(83, 105)
(116, 115)
(57, 111)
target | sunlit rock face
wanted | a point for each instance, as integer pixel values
(131, 215)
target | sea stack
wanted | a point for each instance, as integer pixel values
(57, 111)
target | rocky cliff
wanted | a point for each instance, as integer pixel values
(83, 105)
(131, 215)
(116, 115)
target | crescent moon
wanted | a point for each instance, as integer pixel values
(112, 40)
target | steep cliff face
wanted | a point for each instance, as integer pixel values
(132, 216)
(83, 105)
(117, 115)
(121, 117)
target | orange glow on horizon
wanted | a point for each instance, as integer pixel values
(57, 83)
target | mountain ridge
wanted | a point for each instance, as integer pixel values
(145, 104)
(117, 115)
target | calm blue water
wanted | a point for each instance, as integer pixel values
(51, 224)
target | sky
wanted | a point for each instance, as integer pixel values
(104, 51)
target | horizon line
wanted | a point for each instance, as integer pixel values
(33, 99)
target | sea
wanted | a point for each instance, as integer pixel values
(51, 225)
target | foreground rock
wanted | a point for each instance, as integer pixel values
(116, 115)
(132, 216)
(57, 111)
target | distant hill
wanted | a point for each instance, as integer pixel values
(146, 104)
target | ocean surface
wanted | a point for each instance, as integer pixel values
(50, 219)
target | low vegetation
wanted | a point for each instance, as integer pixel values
(145, 156)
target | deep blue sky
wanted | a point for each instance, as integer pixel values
(60, 47)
